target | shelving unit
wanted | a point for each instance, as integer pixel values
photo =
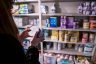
(69, 9)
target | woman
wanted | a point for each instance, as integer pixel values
(11, 50)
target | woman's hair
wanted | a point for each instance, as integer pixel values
(7, 24)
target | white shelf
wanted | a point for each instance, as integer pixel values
(30, 1)
(63, 0)
(49, 40)
(21, 27)
(69, 51)
(59, 28)
(65, 14)
(33, 14)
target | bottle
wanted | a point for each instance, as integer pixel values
(59, 46)
(91, 38)
(46, 34)
(60, 59)
(53, 9)
(80, 49)
(45, 57)
(55, 46)
(80, 8)
(66, 57)
(71, 60)
(63, 21)
(47, 23)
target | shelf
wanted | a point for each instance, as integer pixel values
(30, 1)
(65, 0)
(69, 51)
(65, 14)
(49, 40)
(33, 14)
(59, 28)
(21, 27)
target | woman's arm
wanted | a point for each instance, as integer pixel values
(11, 51)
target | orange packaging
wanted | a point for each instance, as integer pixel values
(92, 23)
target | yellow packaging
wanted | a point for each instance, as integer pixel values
(55, 35)
(66, 37)
(61, 37)
(86, 24)
(75, 37)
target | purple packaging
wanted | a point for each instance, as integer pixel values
(87, 4)
(80, 8)
(87, 12)
(70, 22)
(75, 25)
(93, 12)
(63, 22)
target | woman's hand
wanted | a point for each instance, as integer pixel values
(36, 40)
(24, 34)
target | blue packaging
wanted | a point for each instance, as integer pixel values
(53, 22)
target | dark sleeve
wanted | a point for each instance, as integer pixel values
(32, 55)
(11, 51)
